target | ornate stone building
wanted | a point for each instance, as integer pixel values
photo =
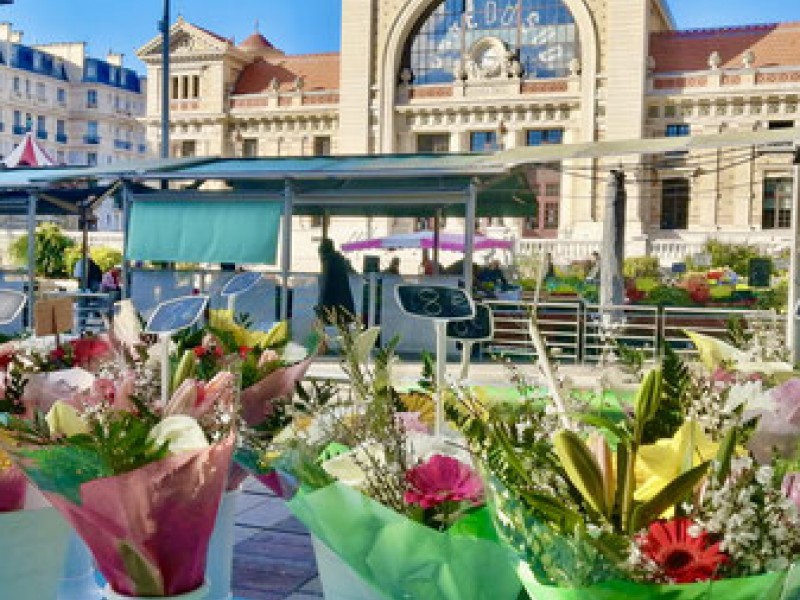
(480, 75)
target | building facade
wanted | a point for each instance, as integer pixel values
(481, 75)
(83, 110)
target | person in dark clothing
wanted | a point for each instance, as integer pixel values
(95, 274)
(335, 305)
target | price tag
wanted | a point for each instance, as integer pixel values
(174, 315)
(479, 329)
(11, 303)
(240, 283)
(435, 302)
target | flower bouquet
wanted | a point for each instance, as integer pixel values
(28, 527)
(394, 511)
(139, 481)
(667, 500)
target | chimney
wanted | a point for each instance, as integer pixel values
(115, 58)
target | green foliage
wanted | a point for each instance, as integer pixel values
(734, 256)
(641, 266)
(737, 333)
(665, 295)
(16, 380)
(630, 357)
(104, 256)
(51, 249)
(777, 297)
(674, 381)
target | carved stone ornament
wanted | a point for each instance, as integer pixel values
(714, 60)
(274, 84)
(299, 83)
(574, 67)
(489, 59)
(406, 76)
(748, 58)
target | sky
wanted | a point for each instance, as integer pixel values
(295, 26)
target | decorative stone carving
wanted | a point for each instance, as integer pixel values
(406, 76)
(748, 58)
(651, 64)
(299, 83)
(274, 85)
(574, 67)
(714, 60)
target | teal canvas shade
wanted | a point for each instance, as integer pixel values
(205, 231)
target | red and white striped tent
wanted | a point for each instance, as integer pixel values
(29, 153)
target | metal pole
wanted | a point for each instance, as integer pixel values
(469, 234)
(31, 256)
(286, 248)
(612, 285)
(792, 329)
(126, 216)
(437, 224)
(165, 81)
(84, 246)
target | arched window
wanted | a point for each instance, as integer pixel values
(491, 38)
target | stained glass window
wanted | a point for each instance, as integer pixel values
(541, 34)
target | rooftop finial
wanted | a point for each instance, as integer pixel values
(257, 31)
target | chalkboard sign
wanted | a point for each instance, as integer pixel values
(678, 268)
(479, 329)
(435, 302)
(240, 283)
(11, 303)
(174, 315)
(759, 272)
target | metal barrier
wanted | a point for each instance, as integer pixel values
(634, 326)
(559, 324)
(713, 322)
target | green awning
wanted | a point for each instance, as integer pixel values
(204, 231)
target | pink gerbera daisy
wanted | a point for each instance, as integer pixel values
(442, 479)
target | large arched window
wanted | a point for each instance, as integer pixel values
(459, 37)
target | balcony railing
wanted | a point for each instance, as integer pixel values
(61, 138)
(142, 148)
(41, 134)
(91, 139)
(122, 145)
(20, 130)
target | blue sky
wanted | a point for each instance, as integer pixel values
(296, 26)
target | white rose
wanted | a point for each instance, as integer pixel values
(63, 419)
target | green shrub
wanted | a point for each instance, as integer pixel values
(641, 266)
(52, 246)
(734, 256)
(665, 295)
(104, 256)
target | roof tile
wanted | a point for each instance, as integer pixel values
(319, 72)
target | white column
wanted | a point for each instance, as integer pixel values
(286, 248)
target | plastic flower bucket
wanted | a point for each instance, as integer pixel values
(220, 550)
(339, 581)
(198, 594)
(33, 545)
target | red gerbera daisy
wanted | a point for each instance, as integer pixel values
(681, 557)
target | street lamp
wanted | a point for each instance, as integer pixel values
(165, 80)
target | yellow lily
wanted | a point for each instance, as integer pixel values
(659, 464)
(224, 320)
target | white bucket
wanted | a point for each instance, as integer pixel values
(220, 550)
(339, 581)
(33, 544)
(198, 594)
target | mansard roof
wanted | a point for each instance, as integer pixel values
(318, 71)
(774, 45)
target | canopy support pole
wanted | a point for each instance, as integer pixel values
(326, 224)
(286, 247)
(437, 224)
(126, 217)
(165, 80)
(469, 233)
(792, 329)
(31, 256)
(612, 285)
(84, 246)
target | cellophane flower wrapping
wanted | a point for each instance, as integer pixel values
(148, 529)
(12, 486)
(401, 558)
(539, 550)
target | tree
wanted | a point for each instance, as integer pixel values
(51, 248)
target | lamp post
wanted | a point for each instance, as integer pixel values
(792, 329)
(165, 80)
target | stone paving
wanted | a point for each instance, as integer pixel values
(273, 558)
